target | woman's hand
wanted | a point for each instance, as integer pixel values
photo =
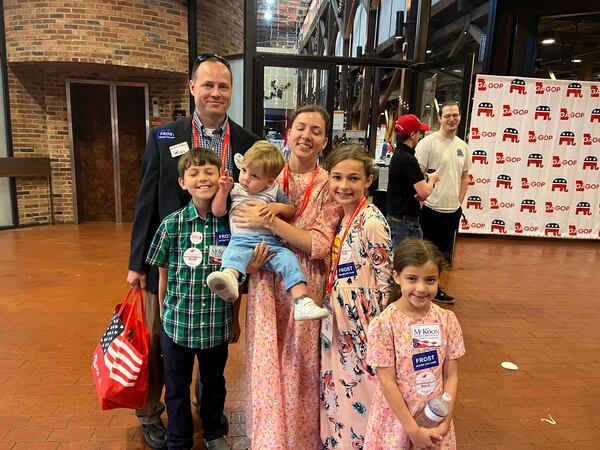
(248, 215)
(260, 256)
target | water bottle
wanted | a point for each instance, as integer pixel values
(435, 411)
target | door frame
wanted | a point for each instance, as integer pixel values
(468, 63)
(328, 63)
(114, 125)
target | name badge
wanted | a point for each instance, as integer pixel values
(346, 270)
(327, 326)
(425, 360)
(222, 237)
(165, 135)
(426, 335)
(215, 254)
(179, 149)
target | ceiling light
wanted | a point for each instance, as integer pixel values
(548, 41)
(270, 2)
(456, 70)
(576, 60)
(268, 15)
(428, 52)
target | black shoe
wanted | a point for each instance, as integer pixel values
(155, 435)
(442, 297)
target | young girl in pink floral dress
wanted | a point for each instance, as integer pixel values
(413, 326)
(358, 285)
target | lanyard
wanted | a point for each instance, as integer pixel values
(307, 192)
(332, 270)
(224, 148)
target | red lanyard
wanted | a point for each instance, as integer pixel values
(332, 270)
(307, 192)
(224, 148)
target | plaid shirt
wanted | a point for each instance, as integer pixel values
(192, 315)
(213, 142)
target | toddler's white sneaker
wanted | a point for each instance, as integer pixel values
(224, 284)
(306, 309)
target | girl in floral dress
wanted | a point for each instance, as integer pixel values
(413, 346)
(358, 285)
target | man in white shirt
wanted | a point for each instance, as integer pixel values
(445, 153)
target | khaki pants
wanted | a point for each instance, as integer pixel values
(154, 407)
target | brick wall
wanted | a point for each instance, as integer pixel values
(137, 33)
(51, 41)
(213, 19)
(39, 114)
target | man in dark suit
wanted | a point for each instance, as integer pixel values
(160, 195)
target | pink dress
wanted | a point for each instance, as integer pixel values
(347, 384)
(393, 341)
(283, 354)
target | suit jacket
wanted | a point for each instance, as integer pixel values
(160, 193)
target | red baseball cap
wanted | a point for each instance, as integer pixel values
(408, 123)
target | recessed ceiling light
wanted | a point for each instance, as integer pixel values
(548, 41)
(576, 60)
(428, 51)
(268, 15)
(456, 70)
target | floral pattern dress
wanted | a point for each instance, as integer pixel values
(283, 354)
(347, 383)
(392, 343)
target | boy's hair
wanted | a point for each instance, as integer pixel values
(415, 253)
(355, 152)
(265, 157)
(197, 156)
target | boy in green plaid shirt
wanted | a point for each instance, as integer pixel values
(195, 322)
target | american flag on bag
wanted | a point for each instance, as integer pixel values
(120, 357)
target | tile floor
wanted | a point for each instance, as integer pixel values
(533, 302)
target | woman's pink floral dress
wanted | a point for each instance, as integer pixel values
(283, 354)
(347, 384)
(393, 340)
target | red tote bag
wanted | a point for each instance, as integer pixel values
(120, 362)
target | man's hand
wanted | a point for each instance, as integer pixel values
(136, 279)
(434, 177)
(237, 330)
(225, 181)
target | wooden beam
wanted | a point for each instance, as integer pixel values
(458, 25)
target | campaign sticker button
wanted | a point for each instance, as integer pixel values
(192, 257)
(425, 360)
(222, 237)
(346, 270)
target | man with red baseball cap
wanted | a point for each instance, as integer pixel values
(407, 184)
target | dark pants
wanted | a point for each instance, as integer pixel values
(179, 366)
(439, 228)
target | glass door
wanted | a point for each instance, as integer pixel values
(437, 82)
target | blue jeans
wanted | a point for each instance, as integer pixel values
(238, 254)
(403, 229)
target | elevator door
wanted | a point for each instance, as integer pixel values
(108, 131)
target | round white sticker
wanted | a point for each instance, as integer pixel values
(192, 257)
(238, 159)
(425, 383)
(346, 254)
(196, 237)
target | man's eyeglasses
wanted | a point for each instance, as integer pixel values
(211, 57)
